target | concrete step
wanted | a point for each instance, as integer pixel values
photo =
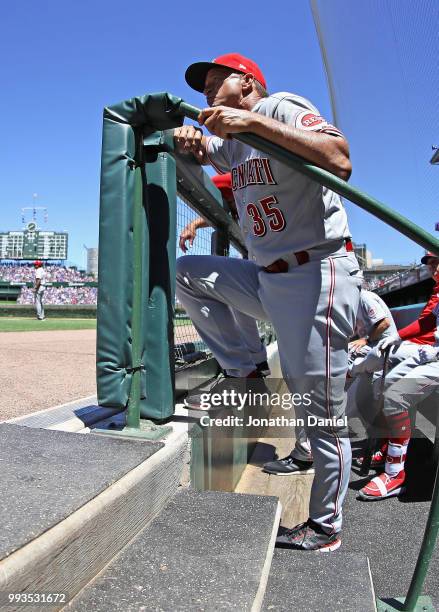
(72, 416)
(70, 502)
(312, 582)
(205, 551)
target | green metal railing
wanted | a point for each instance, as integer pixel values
(362, 199)
(415, 233)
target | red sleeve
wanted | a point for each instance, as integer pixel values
(426, 322)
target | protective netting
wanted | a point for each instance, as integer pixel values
(381, 59)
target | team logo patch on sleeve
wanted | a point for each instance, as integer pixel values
(307, 120)
(310, 121)
(371, 312)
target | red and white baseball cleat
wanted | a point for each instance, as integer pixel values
(383, 486)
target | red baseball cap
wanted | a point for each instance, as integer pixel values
(38, 264)
(428, 256)
(196, 73)
(224, 184)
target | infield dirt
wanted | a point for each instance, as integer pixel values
(41, 369)
(44, 369)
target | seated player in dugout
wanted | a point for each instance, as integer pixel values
(374, 321)
(301, 274)
(247, 325)
(404, 347)
(408, 383)
(405, 342)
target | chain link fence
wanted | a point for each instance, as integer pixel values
(189, 348)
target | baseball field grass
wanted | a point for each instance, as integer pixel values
(25, 324)
(18, 324)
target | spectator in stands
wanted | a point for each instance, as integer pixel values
(24, 273)
(40, 287)
(61, 295)
(54, 273)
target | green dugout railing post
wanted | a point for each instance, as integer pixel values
(426, 552)
(363, 200)
(133, 409)
(141, 286)
(413, 601)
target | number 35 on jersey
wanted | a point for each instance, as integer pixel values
(265, 212)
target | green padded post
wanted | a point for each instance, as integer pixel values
(362, 199)
(132, 308)
(113, 350)
(161, 216)
(133, 411)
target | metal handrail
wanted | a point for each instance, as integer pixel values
(355, 195)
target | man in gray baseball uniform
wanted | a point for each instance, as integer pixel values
(301, 273)
(407, 384)
(374, 322)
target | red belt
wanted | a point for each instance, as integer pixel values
(280, 265)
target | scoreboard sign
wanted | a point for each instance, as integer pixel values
(33, 243)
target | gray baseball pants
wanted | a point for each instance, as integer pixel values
(39, 303)
(409, 383)
(313, 309)
(365, 390)
(250, 336)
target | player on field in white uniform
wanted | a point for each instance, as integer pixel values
(40, 287)
(301, 274)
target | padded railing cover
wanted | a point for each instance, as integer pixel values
(127, 128)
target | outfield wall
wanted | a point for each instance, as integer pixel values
(68, 311)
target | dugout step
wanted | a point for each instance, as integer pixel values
(312, 582)
(72, 416)
(70, 502)
(201, 553)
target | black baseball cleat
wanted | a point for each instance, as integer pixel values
(263, 368)
(287, 466)
(308, 536)
(234, 391)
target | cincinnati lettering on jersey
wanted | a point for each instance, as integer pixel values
(255, 171)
